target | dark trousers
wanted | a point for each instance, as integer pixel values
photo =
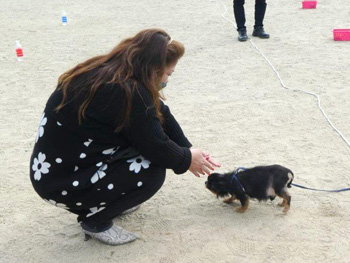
(238, 10)
(103, 220)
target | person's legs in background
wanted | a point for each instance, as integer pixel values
(260, 9)
(238, 10)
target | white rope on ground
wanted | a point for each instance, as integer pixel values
(280, 79)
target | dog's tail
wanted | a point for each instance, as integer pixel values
(291, 177)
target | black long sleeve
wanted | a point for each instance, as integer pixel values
(172, 128)
(146, 134)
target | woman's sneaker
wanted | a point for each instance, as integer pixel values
(114, 236)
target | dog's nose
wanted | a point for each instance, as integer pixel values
(206, 183)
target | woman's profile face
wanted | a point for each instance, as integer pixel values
(167, 73)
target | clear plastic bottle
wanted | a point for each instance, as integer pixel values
(19, 51)
(64, 18)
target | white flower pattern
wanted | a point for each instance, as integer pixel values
(87, 143)
(40, 166)
(95, 210)
(110, 151)
(99, 174)
(137, 163)
(53, 202)
(41, 127)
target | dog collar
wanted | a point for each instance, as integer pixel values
(235, 177)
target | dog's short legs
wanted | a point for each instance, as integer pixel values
(245, 203)
(286, 199)
(283, 202)
(230, 199)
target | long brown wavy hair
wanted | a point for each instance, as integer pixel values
(139, 59)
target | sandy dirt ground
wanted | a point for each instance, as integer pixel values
(228, 101)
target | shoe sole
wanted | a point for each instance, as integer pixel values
(261, 36)
(131, 210)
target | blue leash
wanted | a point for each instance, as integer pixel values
(320, 190)
(235, 176)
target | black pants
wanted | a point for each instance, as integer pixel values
(238, 9)
(103, 220)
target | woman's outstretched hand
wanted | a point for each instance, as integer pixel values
(202, 163)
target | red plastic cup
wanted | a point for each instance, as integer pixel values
(309, 4)
(19, 52)
(341, 34)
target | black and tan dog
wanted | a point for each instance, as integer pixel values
(260, 182)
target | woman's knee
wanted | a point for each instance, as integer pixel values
(158, 178)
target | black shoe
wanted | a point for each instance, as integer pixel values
(259, 32)
(242, 35)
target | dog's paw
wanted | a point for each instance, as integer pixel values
(283, 203)
(285, 210)
(229, 200)
(241, 210)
